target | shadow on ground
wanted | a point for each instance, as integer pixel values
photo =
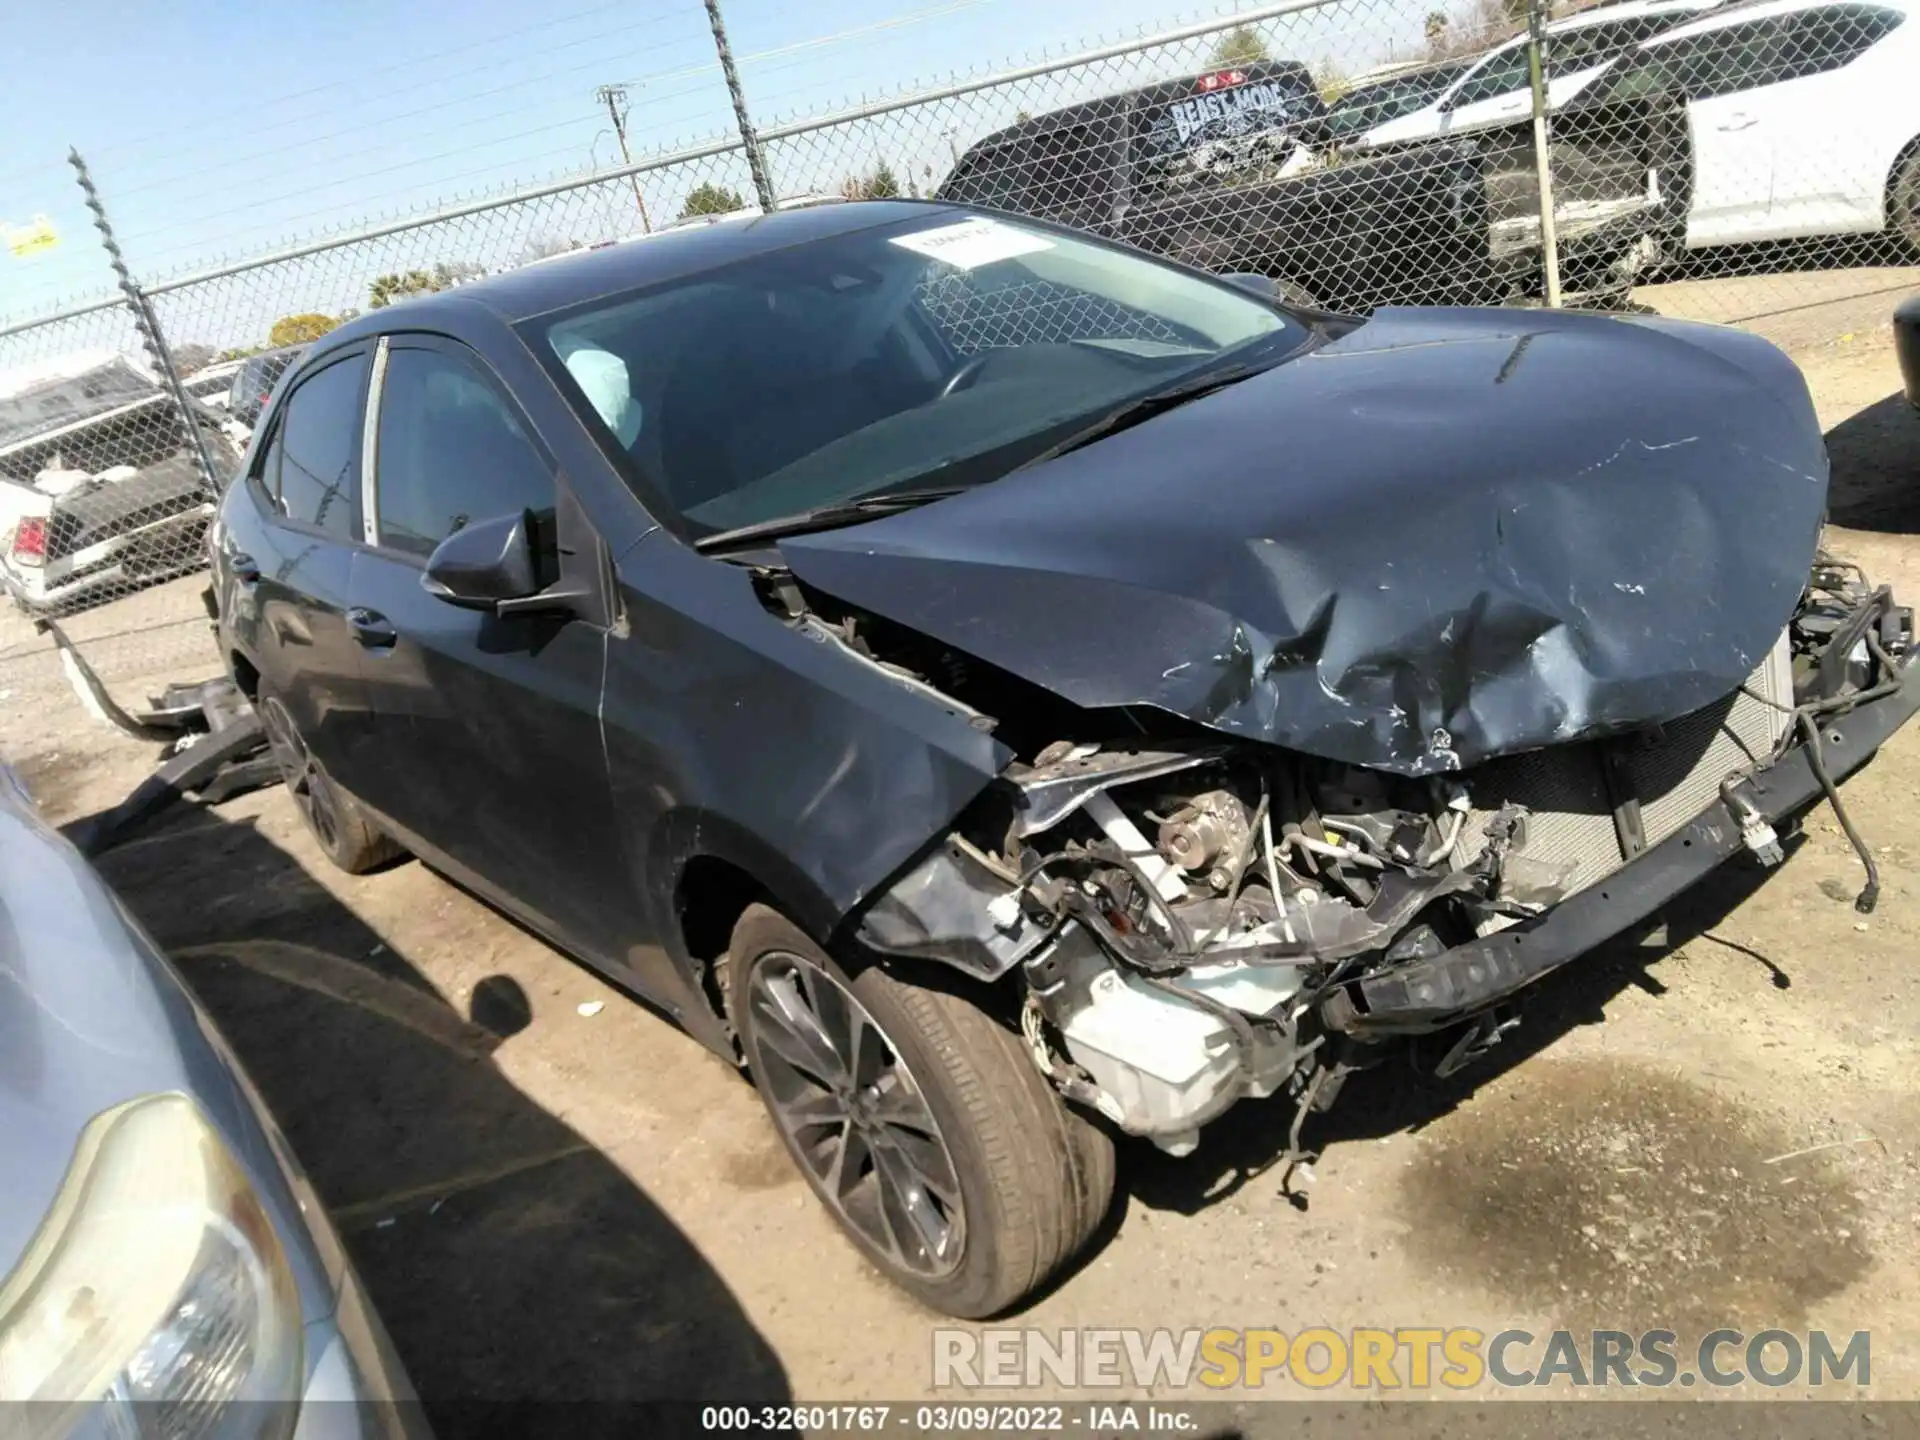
(1791, 257)
(1876, 468)
(510, 1259)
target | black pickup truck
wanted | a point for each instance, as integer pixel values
(1227, 171)
(1240, 170)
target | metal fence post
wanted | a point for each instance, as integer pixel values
(1543, 164)
(756, 162)
(148, 325)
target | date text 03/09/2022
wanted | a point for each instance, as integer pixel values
(1095, 1418)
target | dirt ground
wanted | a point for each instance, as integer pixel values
(552, 1192)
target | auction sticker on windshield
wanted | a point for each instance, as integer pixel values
(973, 243)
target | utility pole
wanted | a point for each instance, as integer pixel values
(1543, 165)
(614, 97)
(756, 162)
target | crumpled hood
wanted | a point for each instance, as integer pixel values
(1448, 535)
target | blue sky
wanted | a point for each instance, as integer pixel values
(227, 128)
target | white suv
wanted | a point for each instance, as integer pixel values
(1498, 88)
(1805, 117)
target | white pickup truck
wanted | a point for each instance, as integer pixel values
(101, 488)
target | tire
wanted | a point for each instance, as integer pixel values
(1011, 1182)
(1903, 197)
(333, 817)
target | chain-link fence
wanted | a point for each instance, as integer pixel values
(1358, 152)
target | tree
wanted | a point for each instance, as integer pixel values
(1241, 45)
(879, 184)
(299, 329)
(388, 288)
(191, 357)
(1333, 82)
(707, 198)
(1472, 26)
(544, 247)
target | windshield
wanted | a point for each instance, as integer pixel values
(1369, 105)
(944, 350)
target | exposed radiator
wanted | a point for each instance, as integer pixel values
(1674, 772)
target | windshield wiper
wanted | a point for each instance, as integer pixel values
(826, 517)
(1145, 407)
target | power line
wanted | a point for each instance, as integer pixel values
(222, 119)
(379, 122)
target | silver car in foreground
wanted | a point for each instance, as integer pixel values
(165, 1268)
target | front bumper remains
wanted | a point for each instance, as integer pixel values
(1445, 989)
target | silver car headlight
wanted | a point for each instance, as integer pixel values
(156, 1280)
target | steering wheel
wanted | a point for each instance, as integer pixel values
(968, 372)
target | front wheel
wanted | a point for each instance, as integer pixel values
(918, 1119)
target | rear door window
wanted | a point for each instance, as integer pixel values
(1501, 75)
(266, 470)
(318, 441)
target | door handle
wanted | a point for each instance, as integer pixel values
(245, 569)
(372, 629)
(1738, 122)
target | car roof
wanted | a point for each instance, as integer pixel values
(1740, 13)
(1626, 10)
(1602, 14)
(673, 254)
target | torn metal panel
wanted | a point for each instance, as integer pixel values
(1051, 791)
(949, 907)
(1443, 537)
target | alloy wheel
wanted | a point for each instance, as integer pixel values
(853, 1113)
(1906, 201)
(304, 779)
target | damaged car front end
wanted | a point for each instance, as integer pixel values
(1461, 643)
(1479, 679)
(1007, 691)
(1193, 926)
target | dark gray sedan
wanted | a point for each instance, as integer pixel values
(1906, 339)
(1006, 689)
(159, 1245)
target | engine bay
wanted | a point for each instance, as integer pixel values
(1187, 919)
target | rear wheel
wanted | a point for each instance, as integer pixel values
(919, 1121)
(348, 837)
(1903, 197)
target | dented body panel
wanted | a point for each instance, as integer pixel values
(1446, 536)
(1341, 701)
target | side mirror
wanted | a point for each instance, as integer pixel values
(484, 563)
